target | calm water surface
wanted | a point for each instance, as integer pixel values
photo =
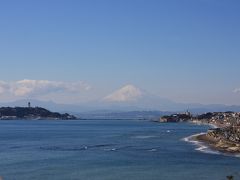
(107, 150)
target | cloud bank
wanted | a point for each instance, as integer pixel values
(35, 88)
(237, 90)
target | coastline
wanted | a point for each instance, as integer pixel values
(212, 145)
(212, 125)
(220, 145)
(200, 145)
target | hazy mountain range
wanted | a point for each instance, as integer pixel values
(126, 99)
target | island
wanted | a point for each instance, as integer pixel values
(32, 113)
(224, 136)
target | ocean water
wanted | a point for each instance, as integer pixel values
(107, 150)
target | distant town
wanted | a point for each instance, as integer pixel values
(225, 136)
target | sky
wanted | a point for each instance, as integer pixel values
(74, 51)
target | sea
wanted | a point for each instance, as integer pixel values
(108, 150)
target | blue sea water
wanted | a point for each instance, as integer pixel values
(107, 150)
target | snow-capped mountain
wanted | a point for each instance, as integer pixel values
(126, 98)
(128, 93)
(132, 96)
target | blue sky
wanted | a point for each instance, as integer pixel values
(185, 50)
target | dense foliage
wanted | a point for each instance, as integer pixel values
(28, 112)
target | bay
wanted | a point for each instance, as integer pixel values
(107, 150)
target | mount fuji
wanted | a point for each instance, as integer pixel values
(125, 99)
(132, 96)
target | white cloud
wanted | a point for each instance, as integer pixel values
(237, 90)
(3, 87)
(35, 88)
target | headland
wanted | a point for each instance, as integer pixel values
(224, 134)
(32, 113)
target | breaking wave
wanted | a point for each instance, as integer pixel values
(200, 146)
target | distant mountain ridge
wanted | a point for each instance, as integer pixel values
(126, 99)
(139, 115)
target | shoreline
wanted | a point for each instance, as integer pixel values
(220, 145)
(223, 134)
(200, 145)
(212, 145)
(212, 125)
(216, 144)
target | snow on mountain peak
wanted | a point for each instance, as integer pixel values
(125, 94)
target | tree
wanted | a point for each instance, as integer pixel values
(230, 177)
